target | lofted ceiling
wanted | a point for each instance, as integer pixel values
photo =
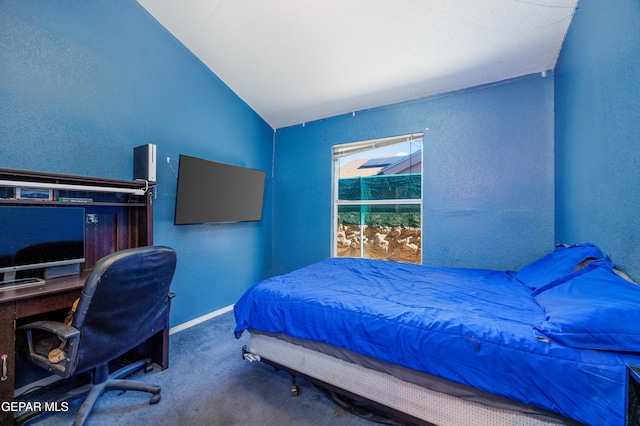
(294, 61)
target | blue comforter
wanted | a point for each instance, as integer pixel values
(476, 327)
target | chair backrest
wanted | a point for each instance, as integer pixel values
(123, 303)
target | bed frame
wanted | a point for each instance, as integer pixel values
(402, 399)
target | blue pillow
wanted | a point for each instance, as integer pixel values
(563, 260)
(592, 309)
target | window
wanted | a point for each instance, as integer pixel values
(377, 199)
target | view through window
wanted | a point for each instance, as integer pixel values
(378, 199)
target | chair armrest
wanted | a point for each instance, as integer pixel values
(59, 329)
(63, 367)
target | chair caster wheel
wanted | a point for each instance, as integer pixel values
(148, 368)
(155, 399)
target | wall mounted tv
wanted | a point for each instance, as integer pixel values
(34, 240)
(212, 192)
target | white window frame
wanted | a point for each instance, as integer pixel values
(346, 149)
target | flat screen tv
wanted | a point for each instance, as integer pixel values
(36, 238)
(212, 192)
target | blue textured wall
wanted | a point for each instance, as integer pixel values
(488, 175)
(82, 83)
(598, 130)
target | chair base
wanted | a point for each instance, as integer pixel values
(102, 382)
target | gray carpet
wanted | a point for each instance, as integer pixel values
(208, 383)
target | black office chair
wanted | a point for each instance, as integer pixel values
(124, 302)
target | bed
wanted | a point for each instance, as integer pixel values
(551, 343)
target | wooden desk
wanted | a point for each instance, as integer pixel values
(57, 293)
(123, 219)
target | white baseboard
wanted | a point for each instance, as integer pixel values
(198, 320)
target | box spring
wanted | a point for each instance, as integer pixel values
(417, 396)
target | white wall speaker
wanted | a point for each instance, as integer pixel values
(144, 162)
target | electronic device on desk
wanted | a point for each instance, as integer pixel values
(21, 283)
(144, 162)
(212, 192)
(39, 242)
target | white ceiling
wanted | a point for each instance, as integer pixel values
(294, 61)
